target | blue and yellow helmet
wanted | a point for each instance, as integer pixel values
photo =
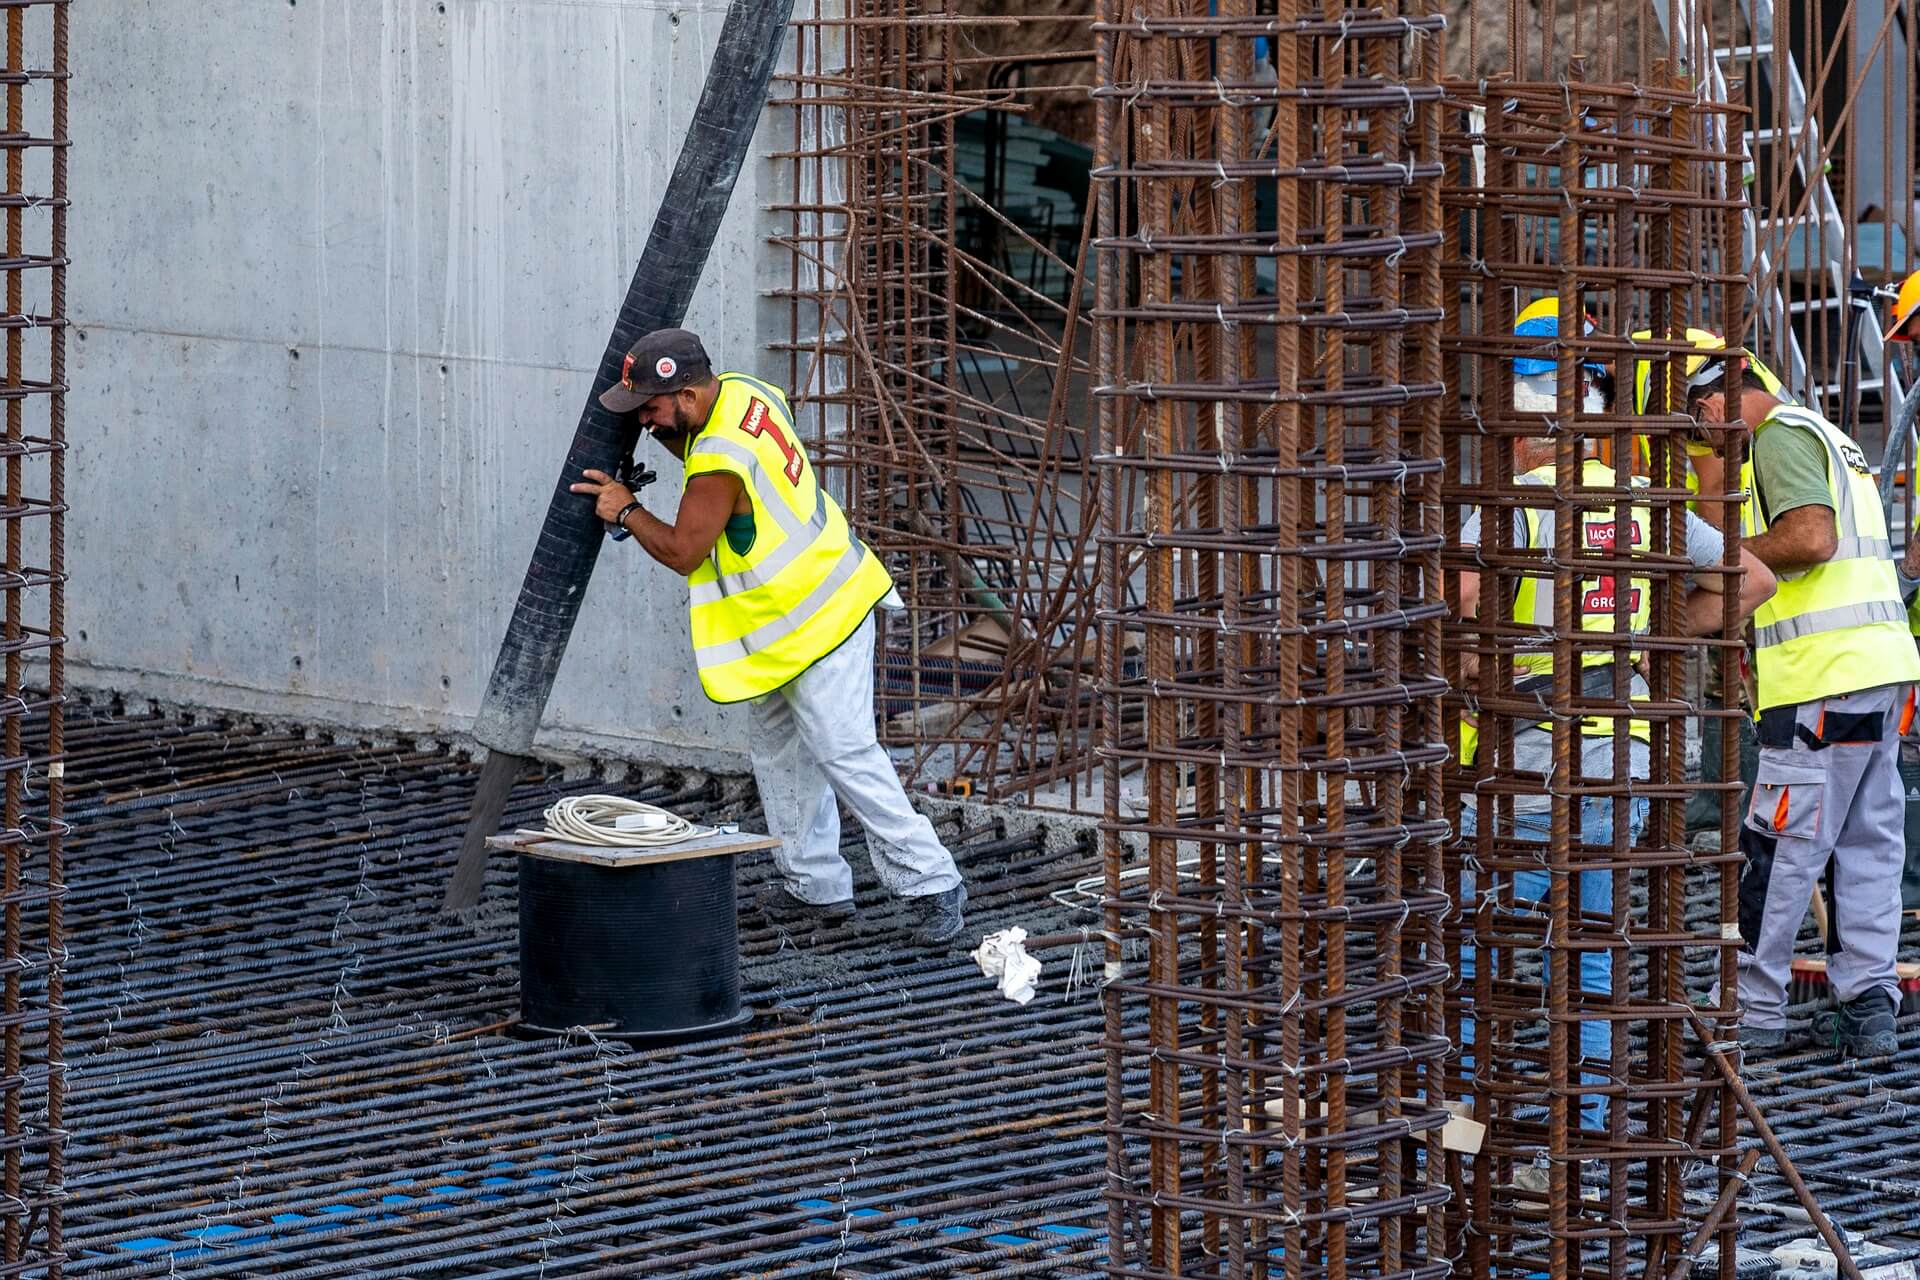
(1541, 319)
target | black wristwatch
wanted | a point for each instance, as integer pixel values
(619, 530)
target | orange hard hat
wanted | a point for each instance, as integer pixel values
(1905, 305)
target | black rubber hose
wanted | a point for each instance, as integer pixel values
(715, 147)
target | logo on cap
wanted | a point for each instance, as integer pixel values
(665, 366)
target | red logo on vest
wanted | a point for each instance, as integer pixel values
(757, 423)
(1600, 599)
(1601, 536)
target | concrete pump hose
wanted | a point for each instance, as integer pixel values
(618, 823)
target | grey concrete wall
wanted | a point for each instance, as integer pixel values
(342, 270)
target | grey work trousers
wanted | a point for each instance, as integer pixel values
(813, 745)
(1826, 800)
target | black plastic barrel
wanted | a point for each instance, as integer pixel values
(648, 952)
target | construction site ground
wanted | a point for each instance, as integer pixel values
(283, 1060)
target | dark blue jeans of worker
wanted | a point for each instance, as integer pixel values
(1596, 894)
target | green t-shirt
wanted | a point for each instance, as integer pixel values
(1790, 469)
(740, 533)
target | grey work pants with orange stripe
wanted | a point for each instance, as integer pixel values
(1826, 802)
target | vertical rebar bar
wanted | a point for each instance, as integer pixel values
(940, 379)
(32, 800)
(1615, 201)
(1269, 397)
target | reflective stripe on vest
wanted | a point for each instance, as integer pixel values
(799, 534)
(1599, 530)
(1839, 626)
(806, 583)
(771, 633)
(1837, 618)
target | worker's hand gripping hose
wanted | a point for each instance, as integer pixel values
(618, 823)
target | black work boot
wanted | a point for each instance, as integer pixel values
(779, 906)
(1863, 1026)
(941, 916)
(1761, 1040)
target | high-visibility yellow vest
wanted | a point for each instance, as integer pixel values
(1838, 627)
(1600, 532)
(763, 616)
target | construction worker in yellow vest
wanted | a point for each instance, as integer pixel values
(1903, 325)
(1601, 526)
(782, 597)
(1834, 673)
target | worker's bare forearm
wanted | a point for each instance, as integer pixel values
(1702, 612)
(667, 543)
(1703, 608)
(1800, 539)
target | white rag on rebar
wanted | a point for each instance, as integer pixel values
(1003, 955)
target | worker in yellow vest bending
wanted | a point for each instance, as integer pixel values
(1603, 529)
(782, 597)
(1834, 671)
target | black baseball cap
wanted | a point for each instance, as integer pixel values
(662, 361)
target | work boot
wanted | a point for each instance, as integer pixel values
(941, 916)
(1759, 1041)
(780, 907)
(1863, 1026)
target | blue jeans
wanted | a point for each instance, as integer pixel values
(1596, 894)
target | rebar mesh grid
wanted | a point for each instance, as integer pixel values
(934, 352)
(286, 1062)
(1613, 199)
(1271, 617)
(32, 583)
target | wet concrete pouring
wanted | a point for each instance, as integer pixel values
(283, 1060)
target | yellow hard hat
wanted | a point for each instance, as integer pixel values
(1707, 345)
(1904, 307)
(1708, 348)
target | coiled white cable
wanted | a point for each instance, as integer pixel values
(598, 820)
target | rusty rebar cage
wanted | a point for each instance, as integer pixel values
(1269, 458)
(935, 344)
(1621, 202)
(32, 585)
